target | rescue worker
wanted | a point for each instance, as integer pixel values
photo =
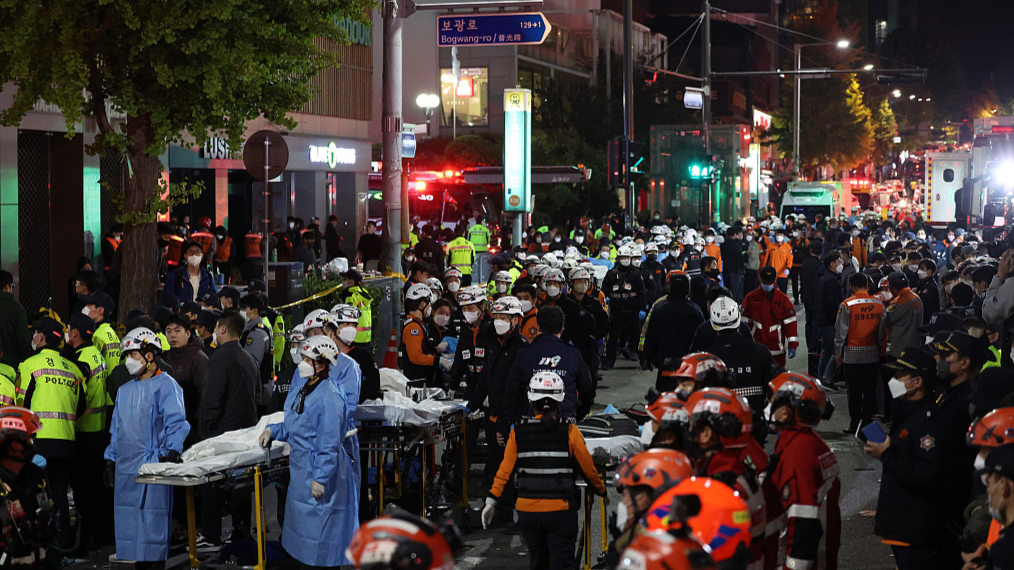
(688, 260)
(771, 317)
(586, 333)
(779, 256)
(461, 255)
(750, 361)
(479, 236)
(544, 451)
(320, 514)
(99, 307)
(471, 351)
(721, 444)
(358, 297)
(625, 290)
(342, 329)
(417, 359)
(669, 330)
(27, 506)
(712, 249)
(52, 387)
(673, 550)
(907, 515)
(804, 471)
(148, 426)
(399, 540)
(856, 350)
(669, 419)
(654, 273)
(526, 294)
(8, 376)
(283, 381)
(501, 283)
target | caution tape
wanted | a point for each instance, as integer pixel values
(315, 296)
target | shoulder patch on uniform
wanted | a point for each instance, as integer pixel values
(249, 341)
(480, 352)
(927, 443)
(786, 492)
(415, 332)
(466, 354)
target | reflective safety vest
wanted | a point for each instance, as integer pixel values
(98, 400)
(204, 238)
(479, 236)
(253, 245)
(8, 392)
(278, 344)
(412, 241)
(58, 385)
(108, 344)
(864, 314)
(359, 298)
(461, 254)
(545, 467)
(491, 286)
(174, 253)
(224, 250)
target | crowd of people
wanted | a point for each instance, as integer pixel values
(914, 323)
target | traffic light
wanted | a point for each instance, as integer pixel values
(634, 158)
(700, 168)
(616, 163)
(650, 75)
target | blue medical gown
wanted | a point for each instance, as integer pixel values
(149, 421)
(317, 532)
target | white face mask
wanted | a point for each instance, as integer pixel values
(749, 237)
(921, 274)
(604, 255)
(347, 335)
(501, 288)
(896, 266)
(580, 288)
(855, 233)
(839, 269)
(409, 259)
(648, 433)
(526, 305)
(501, 327)
(134, 366)
(979, 463)
(913, 268)
(779, 238)
(214, 338)
(557, 239)
(948, 287)
(625, 261)
(305, 369)
(246, 319)
(194, 260)
(552, 290)
(709, 239)
(86, 312)
(428, 311)
(621, 512)
(453, 286)
(579, 240)
(897, 388)
(441, 320)
(636, 261)
(294, 353)
(471, 316)
(887, 295)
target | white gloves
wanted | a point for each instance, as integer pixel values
(442, 347)
(317, 490)
(446, 363)
(265, 439)
(488, 511)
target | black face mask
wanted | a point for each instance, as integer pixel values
(944, 371)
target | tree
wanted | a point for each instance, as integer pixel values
(885, 128)
(177, 69)
(473, 150)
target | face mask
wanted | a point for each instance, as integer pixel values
(501, 288)
(622, 514)
(86, 312)
(526, 305)
(410, 259)
(552, 290)
(944, 371)
(855, 233)
(501, 327)
(709, 239)
(749, 237)
(579, 240)
(839, 269)
(453, 286)
(347, 335)
(134, 367)
(913, 268)
(950, 238)
(305, 369)
(245, 318)
(471, 316)
(557, 239)
(651, 257)
(604, 255)
(994, 512)
(795, 234)
(214, 338)
(921, 274)
(220, 236)
(625, 262)
(428, 311)
(779, 239)
(887, 295)
(948, 287)
(440, 320)
(768, 288)
(979, 463)
(292, 225)
(580, 288)
(896, 266)
(648, 433)
(538, 240)
(636, 261)
(194, 260)
(897, 388)
(294, 353)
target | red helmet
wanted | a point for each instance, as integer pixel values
(402, 541)
(992, 430)
(722, 523)
(671, 273)
(655, 468)
(696, 365)
(204, 222)
(665, 402)
(725, 412)
(663, 551)
(18, 422)
(804, 394)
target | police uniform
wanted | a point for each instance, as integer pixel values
(461, 256)
(625, 289)
(108, 343)
(479, 236)
(8, 391)
(654, 274)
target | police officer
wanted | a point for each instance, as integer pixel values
(257, 342)
(461, 256)
(417, 359)
(479, 235)
(907, 513)
(586, 335)
(357, 296)
(99, 307)
(998, 477)
(51, 386)
(625, 290)
(750, 361)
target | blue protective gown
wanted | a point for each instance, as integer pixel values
(316, 531)
(149, 421)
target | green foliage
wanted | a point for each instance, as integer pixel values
(473, 150)
(168, 196)
(884, 129)
(313, 285)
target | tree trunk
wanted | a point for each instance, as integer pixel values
(139, 274)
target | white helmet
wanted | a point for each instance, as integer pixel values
(538, 271)
(436, 287)
(569, 264)
(320, 347)
(545, 385)
(624, 251)
(141, 339)
(553, 275)
(588, 266)
(688, 239)
(551, 260)
(572, 253)
(502, 277)
(417, 291)
(651, 247)
(658, 230)
(471, 295)
(316, 320)
(345, 314)
(661, 241)
(507, 306)
(724, 314)
(452, 272)
(580, 273)
(296, 334)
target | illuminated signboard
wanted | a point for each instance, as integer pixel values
(517, 150)
(332, 155)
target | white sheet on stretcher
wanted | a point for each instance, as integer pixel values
(228, 451)
(398, 409)
(613, 449)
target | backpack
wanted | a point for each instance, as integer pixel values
(608, 425)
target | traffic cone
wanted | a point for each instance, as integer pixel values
(391, 356)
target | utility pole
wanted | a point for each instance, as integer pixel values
(628, 107)
(706, 110)
(796, 104)
(390, 260)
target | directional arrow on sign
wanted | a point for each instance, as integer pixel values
(501, 29)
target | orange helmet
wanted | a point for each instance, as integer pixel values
(804, 394)
(400, 540)
(663, 551)
(671, 273)
(663, 403)
(725, 412)
(992, 430)
(204, 222)
(722, 522)
(696, 365)
(655, 468)
(18, 422)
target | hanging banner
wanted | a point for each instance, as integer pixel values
(517, 150)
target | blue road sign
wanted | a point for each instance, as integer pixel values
(408, 145)
(501, 29)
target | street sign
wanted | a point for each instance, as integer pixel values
(517, 150)
(500, 29)
(408, 144)
(253, 154)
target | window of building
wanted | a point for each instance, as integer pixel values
(472, 101)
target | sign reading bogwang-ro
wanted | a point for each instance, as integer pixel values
(517, 150)
(501, 29)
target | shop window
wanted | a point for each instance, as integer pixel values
(472, 100)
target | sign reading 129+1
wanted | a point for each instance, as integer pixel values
(500, 29)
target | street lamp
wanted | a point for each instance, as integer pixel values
(868, 67)
(427, 102)
(896, 92)
(841, 44)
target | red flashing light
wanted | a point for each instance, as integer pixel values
(1003, 129)
(420, 185)
(449, 173)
